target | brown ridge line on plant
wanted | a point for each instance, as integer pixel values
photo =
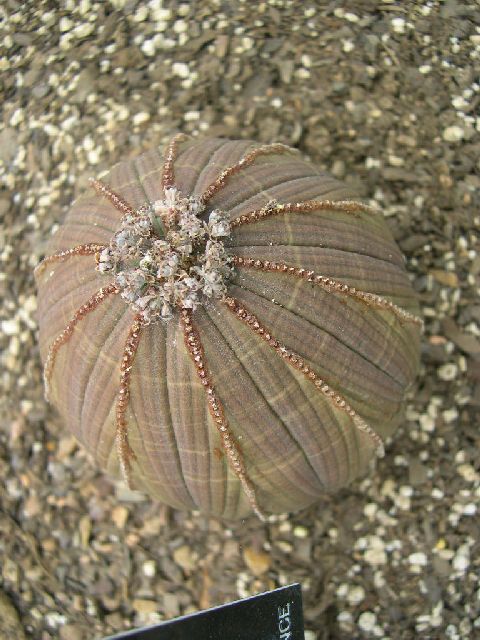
(244, 162)
(330, 285)
(273, 208)
(168, 176)
(195, 349)
(124, 451)
(80, 250)
(91, 304)
(296, 361)
(118, 202)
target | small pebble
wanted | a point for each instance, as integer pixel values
(10, 327)
(65, 24)
(418, 558)
(447, 371)
(398, 25)
(140, 118)
(181, 69)
(300, 532)
(186, 558)
(367, 621)
(119, 516)
(140, 14)
(450, 415)
(355, 595)
(149, 568)
(144, 606)
(84, 30)
(453, 134)
(375, 556)
(427, 423)
(148, 47)
(461, 562)
(257, 561)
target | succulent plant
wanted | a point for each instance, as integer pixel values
(227, 327)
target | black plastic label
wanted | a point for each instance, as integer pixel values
(273, 615)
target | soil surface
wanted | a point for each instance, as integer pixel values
(385, 96)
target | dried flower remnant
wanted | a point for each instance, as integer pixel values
(176, 260)
(167, 257)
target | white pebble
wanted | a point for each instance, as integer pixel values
(140, 14)
(300, 532)
(88, 143)
(93, 156)
(84, 30)
(372, 163)
(10, 327)
(302, 73)
(447, 371)
(149, 568)
(375, 556)
(247, 43)
(459, 102)
(141, 117)
(344, 616)
(406, 491)
(159, 12)
(453, 134)
(148, 47)
(55, 619)
(306, 61)
(284, 546)
(355, 595)
(65, 24)
(403, 502)
(190, 116)
(468, 473)
(351, 17)
(285, 527)
(424, 69)
(450, 415)
(367, 621)
(122, 113)
(427, 423)
(461, 562)
(370, 510)
(470, 509)
(418, 558)
(342, 590)
(16, 117)
(396, 161)
(181, 69)
(348, 46)
(398, 25)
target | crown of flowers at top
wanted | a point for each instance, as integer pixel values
(165, 256)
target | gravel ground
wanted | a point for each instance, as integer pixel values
(385, 96)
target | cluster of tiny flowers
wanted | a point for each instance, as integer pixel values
(157, 273)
